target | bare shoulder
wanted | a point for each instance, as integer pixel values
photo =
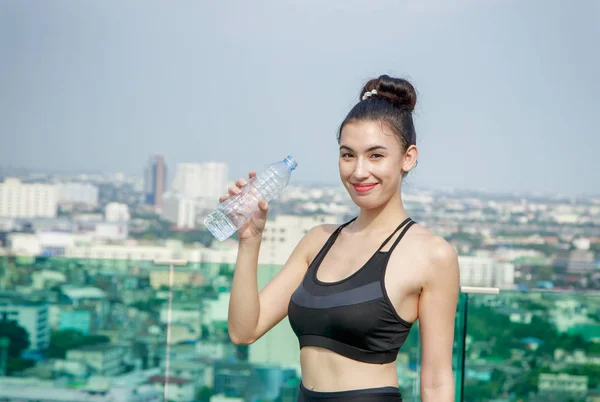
(439, 256)
(316, 237)
(320, 231)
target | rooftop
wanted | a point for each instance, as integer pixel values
(172, 380)
(88, 292)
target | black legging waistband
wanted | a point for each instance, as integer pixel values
(380, 394)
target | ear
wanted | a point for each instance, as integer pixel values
(410, 157)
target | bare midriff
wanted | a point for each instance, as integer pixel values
(327, 371)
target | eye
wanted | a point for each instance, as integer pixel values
(346, 155)
(377, 156)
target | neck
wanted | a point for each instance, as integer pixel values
(388, 215)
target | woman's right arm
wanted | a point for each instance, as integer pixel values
(252, 314)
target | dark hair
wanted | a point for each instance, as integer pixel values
(392, 104)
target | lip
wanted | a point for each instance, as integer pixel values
(363, 188)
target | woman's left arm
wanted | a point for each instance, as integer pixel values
(437, 309)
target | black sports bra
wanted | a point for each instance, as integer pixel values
(353, 317)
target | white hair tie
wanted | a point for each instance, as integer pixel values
(369, 94)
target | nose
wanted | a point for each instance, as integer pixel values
(361, 170)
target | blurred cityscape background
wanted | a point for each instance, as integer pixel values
(122, 124)
(111, 287)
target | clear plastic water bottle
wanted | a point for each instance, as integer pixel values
(236, 210)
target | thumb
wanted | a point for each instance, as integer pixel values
(263, 208)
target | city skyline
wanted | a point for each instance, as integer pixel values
(408, 186)
(512, 109)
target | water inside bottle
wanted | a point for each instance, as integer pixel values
(219, 225)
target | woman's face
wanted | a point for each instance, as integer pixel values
(371, 162)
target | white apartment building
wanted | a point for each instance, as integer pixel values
(179, 210)
(196, 180)
(114, 231)
(32, 316)
(106, 359)
(23, 244)
(222, 252)
(183, 314)
(558, 383)
(132, 251)
(116, 212)
(284, 232)
(504, 275)
(485, 271)
(48, 243)
(77, 193)
(214, 349)
(24, 200)
(120, 252)
(179, 278)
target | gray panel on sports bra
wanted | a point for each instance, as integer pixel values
(361, 294)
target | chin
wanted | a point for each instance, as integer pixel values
(366, 202)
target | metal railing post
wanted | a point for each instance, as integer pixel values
(171, 263)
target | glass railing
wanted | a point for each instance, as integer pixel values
(100, 330)
(532, 346)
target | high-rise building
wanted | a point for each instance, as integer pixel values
(482, 270)
(27, 200)
(179, 210)
(77, 193)
(155, 180)
(116, 212)
(201, 180)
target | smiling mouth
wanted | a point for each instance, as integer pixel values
(361, 188)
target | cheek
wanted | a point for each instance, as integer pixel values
(388, 172)
(345, 169)
(384, 169)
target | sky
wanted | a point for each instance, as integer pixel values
(507, 90)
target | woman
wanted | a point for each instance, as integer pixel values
(352, 291)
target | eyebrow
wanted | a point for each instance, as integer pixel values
(373, 148)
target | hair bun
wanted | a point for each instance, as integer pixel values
(398, 91)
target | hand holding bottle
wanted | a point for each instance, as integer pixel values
(254, 227)
(245, 207)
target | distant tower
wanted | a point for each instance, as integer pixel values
(155, 178)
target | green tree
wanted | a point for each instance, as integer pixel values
(204, 394)
(19, 338)
(62, 341)
(148, 305)
(16, 364)
(18, 342)
(592, 372)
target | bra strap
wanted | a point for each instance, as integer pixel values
(347, 223)
(393, 233)
(336, 232)
(401, 235)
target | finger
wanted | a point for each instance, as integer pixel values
(263, 208)
(241, 183)
(252, 174)
(234, 190)
(223, 198)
